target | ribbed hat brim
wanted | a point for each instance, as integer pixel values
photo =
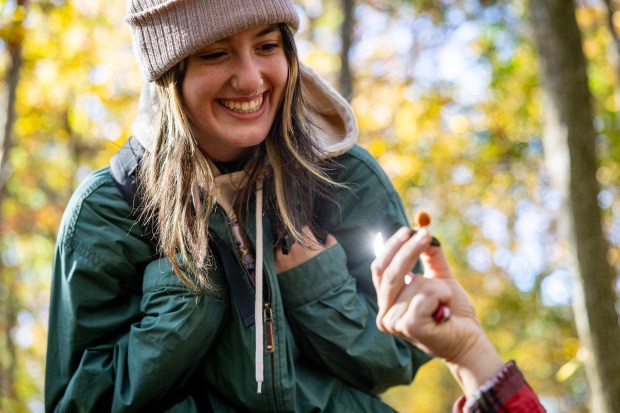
(165, 32)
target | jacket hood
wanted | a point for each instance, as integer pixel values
(334, 123)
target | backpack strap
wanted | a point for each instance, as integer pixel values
(242, 296)
(124, 166)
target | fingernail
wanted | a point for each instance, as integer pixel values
(442, 313)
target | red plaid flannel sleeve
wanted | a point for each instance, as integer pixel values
(507, 392)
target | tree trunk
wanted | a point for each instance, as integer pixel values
(346, 34)
(611, 25)
(570, 153)
(8, 357)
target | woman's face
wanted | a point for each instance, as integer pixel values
(227, 118)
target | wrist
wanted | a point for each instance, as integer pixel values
(476, 366)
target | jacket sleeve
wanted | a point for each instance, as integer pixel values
(124, 333)
(143, 366)
(330, 300)
(507, 392)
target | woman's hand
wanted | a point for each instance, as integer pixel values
(406, 310)
(298, 254)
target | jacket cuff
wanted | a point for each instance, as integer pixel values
(312, 279)
(493, 394)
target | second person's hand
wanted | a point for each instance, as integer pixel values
(406, 310)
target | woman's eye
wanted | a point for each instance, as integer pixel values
(267, 47)
(212, 56)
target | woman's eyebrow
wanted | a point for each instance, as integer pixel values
(265, 31)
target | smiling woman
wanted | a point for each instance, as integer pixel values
(216, 264)
(231, 278)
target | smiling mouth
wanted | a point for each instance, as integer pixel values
(244, 107)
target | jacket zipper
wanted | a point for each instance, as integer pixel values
(273, 381)
(269, 329)
(268, 317)
(270, 333)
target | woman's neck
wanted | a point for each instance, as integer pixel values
(235, 165)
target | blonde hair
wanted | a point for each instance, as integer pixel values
(178, 185)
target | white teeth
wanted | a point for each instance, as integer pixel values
(244, 107)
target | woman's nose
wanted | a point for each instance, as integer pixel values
(247, 79)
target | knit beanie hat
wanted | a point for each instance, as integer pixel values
(166, 31)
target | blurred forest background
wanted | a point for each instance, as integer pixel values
(468, 105)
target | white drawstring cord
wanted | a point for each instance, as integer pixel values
(258, 302)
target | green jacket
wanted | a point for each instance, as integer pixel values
(125, 335)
